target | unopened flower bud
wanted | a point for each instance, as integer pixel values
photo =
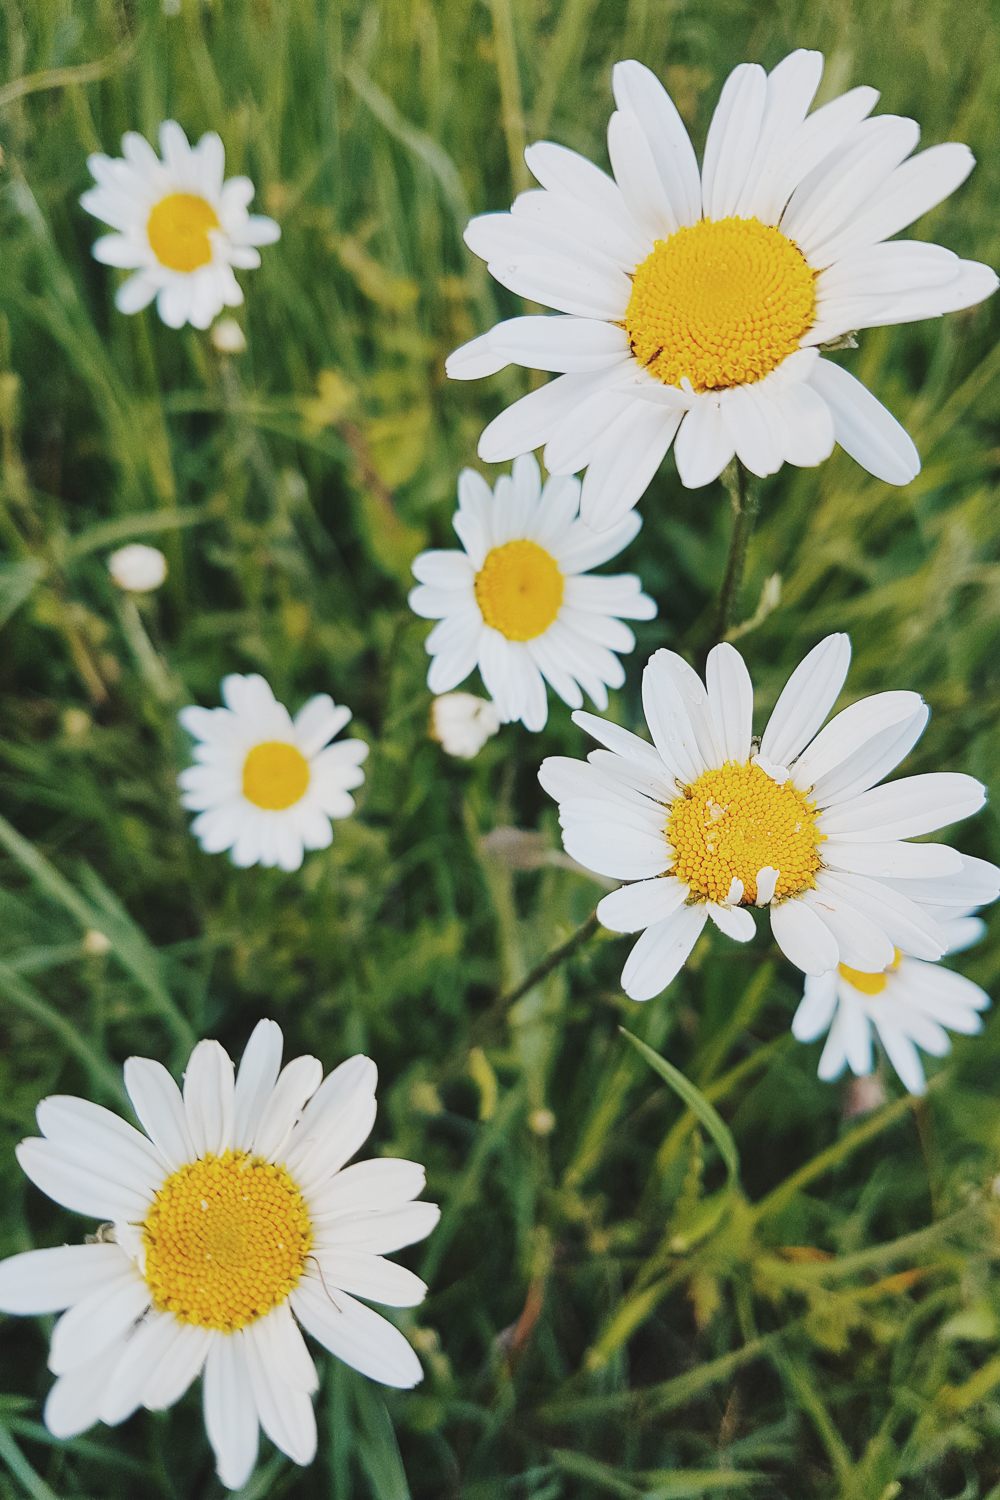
(137, 569)
(462, 723)
(228, 337)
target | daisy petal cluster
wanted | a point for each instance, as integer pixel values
(232, 1221)
(266, 785)
(178, 225)
(910, 1003)
(518, 602)
(707, 821)
(462, 723)
(695, 304)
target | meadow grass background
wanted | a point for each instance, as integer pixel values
(605, 1317)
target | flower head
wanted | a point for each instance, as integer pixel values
(178, 225)
(266, 785)
(708, 821)
(230, 1219)
(462, 723)
(518, 603)
(909, 1003)
(696, 304)
(137, 569)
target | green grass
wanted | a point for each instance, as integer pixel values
(609, 1313)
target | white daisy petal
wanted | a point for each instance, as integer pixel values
(230, 1411)
(636, 173)
(475, 360)
(372, 1277)
(906, 808)
(46, 1281)
(73, 1403)
(382, 1233)
(832, 194)
(730, 697)
(791, 87)
(732, 139)
(904, 1057)
(803, 937)
(177, 1368)
(624, 462)
(864, 428)
(258, 1073)
(861, 943)
(208, 1099)
(704, 446)
(356, 1334)
(526, 425)
(848, 735)
(286, 1414)
(638, 90)
(661, 953)
(891, 859)
(98, 1319)
(283, 1349)
(734, 921)
(576, 345)
(382, 1183)
(872, 760)
(641, 904)
(159, 1108)
(296, 1083)
(67, 1176)
(815, 1012)
(150, 1343)
(806, 699)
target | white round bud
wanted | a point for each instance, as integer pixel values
(228, 337)
(462, 723)
(137, 569)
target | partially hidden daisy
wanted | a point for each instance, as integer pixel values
(518, 602)
(708, 820)
(231, 1222)
(696, 304)
(266, 785)
(178, 225)
(909, 1003)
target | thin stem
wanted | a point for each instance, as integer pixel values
(558, 956)
(745, 499)
(511, 105)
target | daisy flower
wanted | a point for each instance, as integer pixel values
(233, 1220)
(909, 1003)
(708, 820)
(179, 227)
(695, 305)
(264, 785)
(518, 602)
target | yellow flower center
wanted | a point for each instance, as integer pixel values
(226, 1240)
(519, 590)
(275, 775)
(732, 822)
(722, 302)
(870, 984)
(177, 230)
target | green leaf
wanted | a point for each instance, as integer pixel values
(696, 1103)
(17, 580)
(377, 1446)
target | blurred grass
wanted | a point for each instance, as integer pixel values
(605, 1317)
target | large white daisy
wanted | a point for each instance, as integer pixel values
(266, 785)
(178, 225)
(696, 304)
(909, 1003)
(708, 821)
(518, 602)
(230, 1219)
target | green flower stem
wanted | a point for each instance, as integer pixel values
(745, 499)
(558, 956)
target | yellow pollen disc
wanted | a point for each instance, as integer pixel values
(519, 590)
(275, 775)
(722, 302)
(870, 984)
(177, 230)
(226, 1240)
(732, 822)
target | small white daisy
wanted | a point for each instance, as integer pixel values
(462, 723)
(518, 602)
(909, 1003)
(179, 226)
(708, 820)
(266, 785)
(234, 1212)
(696, 304)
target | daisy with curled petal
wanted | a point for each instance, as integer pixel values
(909, 1003)
(233, 1220)
(266, 785)
(708, 821)
(695, 305)
(518, 602)
(178, 225)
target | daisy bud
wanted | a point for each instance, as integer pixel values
(228, 337)
(462, 723)
(137, 569)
